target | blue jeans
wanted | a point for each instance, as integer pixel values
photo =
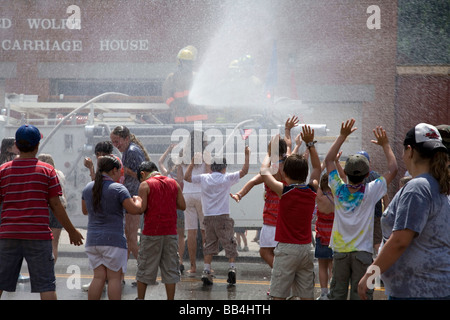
(40, 261)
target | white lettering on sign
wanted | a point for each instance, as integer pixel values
(41, 45)
(46, 24)
(124, 45)
(5, 23)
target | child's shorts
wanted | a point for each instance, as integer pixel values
(40, 260)
(267, 237)
(322, 251)
(220, 229)
(113, 258)
(158, 251)
(293, 267)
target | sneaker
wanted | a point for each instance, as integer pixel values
(207, 278)
(231, 276)
(85, 287)
(23, 279)
(323, 296)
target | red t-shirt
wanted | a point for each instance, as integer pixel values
(161, 214)
(26, 185)
(295, 215)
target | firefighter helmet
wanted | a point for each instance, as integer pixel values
(187, 53)
(234, 64)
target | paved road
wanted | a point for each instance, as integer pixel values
(253, 278)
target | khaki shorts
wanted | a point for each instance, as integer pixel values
(193, 214)
(293, 267)
(220, 229)
(158, 251)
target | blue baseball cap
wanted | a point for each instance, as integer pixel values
(27, 136)
(365, 154)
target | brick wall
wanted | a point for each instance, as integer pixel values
(423, 95)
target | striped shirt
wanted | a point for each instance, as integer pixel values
(271, 206)
(26, 185)
(324, 225)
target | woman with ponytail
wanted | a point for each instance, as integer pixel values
(414, 261)
(133, 154)
(104, 201)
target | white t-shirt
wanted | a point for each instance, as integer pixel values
(354, 214)
(215, 189)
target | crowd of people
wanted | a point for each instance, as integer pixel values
(409, 236)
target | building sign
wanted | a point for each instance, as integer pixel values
(67, 45)
(41, 45)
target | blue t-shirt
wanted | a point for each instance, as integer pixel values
(131, 159)
(423, 270)
(106, 228)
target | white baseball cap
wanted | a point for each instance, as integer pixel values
(426, 137)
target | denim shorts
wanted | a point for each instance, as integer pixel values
(54, 223)
(321, 251)
(40, 261)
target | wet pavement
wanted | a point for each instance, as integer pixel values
(253, 278)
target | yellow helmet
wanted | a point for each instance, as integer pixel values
(234, 64)
(187, 53)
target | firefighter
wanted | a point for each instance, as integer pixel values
(254, 86)
(177, 85)
(241, 88)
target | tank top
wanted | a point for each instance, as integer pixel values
(295, 215)
(161, 215)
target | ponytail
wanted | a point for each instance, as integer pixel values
(140, 145)
(439, 169)
(105, 164)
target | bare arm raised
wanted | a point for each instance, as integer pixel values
(346, 130)
(307, 135)
(383, 141)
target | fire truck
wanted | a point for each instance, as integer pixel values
(71, 130)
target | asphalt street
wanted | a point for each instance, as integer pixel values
(253, 278)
